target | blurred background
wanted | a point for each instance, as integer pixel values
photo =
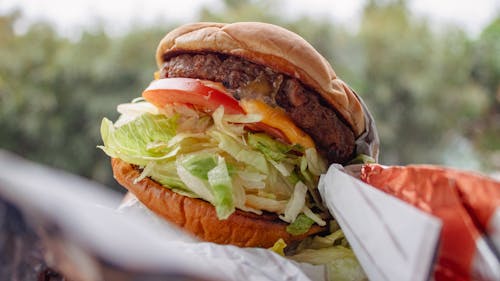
(428, 70)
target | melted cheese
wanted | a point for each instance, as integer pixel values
(278, 119)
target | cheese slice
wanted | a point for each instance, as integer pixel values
(278, 119)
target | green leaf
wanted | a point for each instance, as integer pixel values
(300, 226)
(240, 152)
(141, 140)
(222, 189)
(270, 147)
(341, 264)
(361, 159)
(199, 164)
(165, 173)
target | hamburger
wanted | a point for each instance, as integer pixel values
(229, 140)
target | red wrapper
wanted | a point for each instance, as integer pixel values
(465, 203)
(481, 196)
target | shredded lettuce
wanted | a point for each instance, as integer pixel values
(279, 185)
(130, 111)
(199, 164)
(362, 159)
(296, 203)
(315, 163)
(139, 141)
(323, 255)
(300, 226)
(212, 157)
(166, 174)
(266, 204)
(222, 189)
(240, 152)
(340, 262)
(251, 180)
(271, 148)
(347, 269)
(333, 239)
(228, 129)
(317, 219)
(285, 169)
(239, 194)
(332, 251)
(195, 184)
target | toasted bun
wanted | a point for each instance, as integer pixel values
(273, 46)
(199, 217)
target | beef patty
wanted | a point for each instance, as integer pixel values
(244, 79)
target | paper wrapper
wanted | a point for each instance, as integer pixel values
(75, 225)
(392, 240)
(467, 205)
(481, 197)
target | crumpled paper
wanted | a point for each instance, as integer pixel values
(75, 224)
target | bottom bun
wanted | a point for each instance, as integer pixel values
(199, 217)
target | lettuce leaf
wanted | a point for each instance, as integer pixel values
(208, 176)
(222, 189)
(271, 148)
(300, 226)
(195, 184)
(315, 164)
(141, 140)
(296, 203)
(240, 152)
(165, 173)
(199, 164)
(333, 252)
(130, 111)
(362, 159)
(341, 264)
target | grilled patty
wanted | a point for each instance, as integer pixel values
(244, 79)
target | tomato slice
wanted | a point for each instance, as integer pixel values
(190, 91)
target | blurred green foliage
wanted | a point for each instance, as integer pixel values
(426, 88)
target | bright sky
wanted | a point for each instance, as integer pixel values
(69, 16)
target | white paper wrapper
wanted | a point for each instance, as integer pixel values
(392, 240)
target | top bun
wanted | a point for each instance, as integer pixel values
(272, 46)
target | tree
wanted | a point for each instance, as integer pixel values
(54, 92)
(417, 83)
(485, 131)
